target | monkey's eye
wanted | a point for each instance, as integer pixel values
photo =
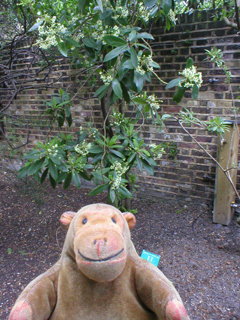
(114, 220)
(84, 221)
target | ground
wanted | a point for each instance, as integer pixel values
(202, 259)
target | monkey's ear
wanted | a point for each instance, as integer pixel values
(66, 218)
(130, 218)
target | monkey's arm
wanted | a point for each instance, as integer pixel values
(38, 299)
(157, 293)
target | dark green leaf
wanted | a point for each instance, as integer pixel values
(167, 4)
(125, 192)
(189, 63)
(36, 166)
(138, 80)
(128, 65)
(52, 182)
(68, 112)
(139, 163)
(84, 175)
(145, 35)
(23, 171)
(134, 58)
(112, 195)
(44, 175)
(61, 177)
(62, 49)
(98, 189)
(140, 100)
(55, 159)
(147, 167)
(117, 88)
(174, 83)
(90, 43)
(114, 41)
(117, 153)
(100, 90)
(131, 158)
(95, 149)
(52, 169)
(76, 179)
(67, 181)
(115, 52)
(179, 94)
(72, 42)
(195, 92)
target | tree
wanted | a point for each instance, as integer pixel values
(106, 40)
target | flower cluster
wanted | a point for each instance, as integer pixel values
(192, 77)
(182, 7)
(117, 119)
(172, 16)
(48, 33)
(144, 64)
(121, 12)
(121, 169)
(107, 77)
(143, 12)
(83, 148)
(154, 103)
(157, 150)
(52, 149)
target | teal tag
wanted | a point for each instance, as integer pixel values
(151, 257)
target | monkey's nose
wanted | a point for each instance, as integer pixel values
(96, 241)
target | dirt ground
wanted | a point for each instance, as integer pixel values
(202, 259)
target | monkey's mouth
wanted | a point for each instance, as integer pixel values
(100, 260)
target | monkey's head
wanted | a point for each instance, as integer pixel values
(100, 240)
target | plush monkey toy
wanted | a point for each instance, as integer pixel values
(99, 276)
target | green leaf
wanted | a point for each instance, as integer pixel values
(90, 43)
(125, 192)
(36, 166)
(117, 88)
(149, 3)
(147, 167)
(35, 26)
(128, 65)
(67, 181)
(117, 153)
(98, 189)
(179, 94)
(112, 195)
(62, 49)
(167, 4)
(84, 175)
(134, 58)
(52, 182)
(140, 100)
(195, 92)
(189, 63)
(72, 42)
(102, 89)
(174, 83)
(95, 149)
(114, 41)
(44, 175)
(139, 163)
(23, 171)
(52, 169)
(76, 179)
(115, 52)
(99, 2)
(138, 80)
(145, 35)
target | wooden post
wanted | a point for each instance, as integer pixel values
(224, 193)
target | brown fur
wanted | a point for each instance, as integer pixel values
(99, 276)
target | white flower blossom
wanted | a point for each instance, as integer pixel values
(192, 77)
(172, 16)
(83, 148)
(106, 77)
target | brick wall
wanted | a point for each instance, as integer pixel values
(190, 175)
